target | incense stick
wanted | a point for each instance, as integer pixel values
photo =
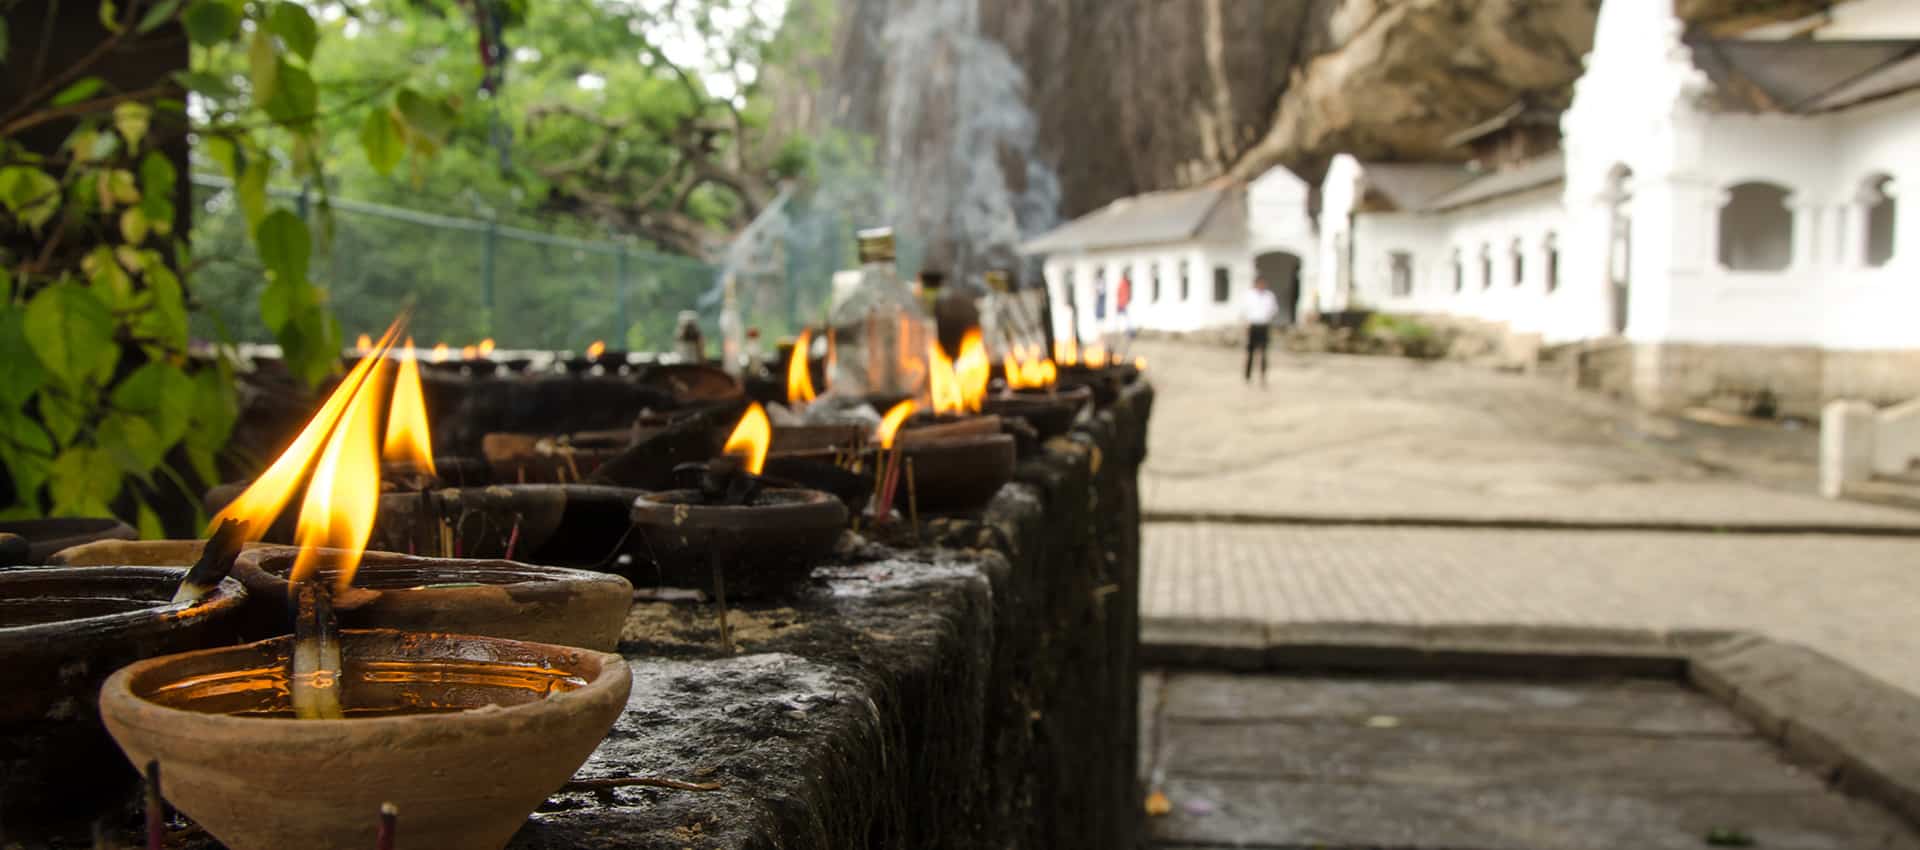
(216, 560)
(389, 825)
(156, 807)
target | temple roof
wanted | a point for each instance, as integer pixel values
(1215, 212)
(1807, 77)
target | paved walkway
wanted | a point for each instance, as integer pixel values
(1339, 436)
(1400, 443)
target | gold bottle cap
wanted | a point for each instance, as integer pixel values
(876, 245)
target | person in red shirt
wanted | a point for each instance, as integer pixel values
(1122, 298)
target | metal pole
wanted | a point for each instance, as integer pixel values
(486, 274)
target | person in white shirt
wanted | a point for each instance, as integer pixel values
(1261, 307)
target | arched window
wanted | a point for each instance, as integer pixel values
(1519, 263)
(1222, 284)
(1185, 289)
(1459, 272)
(1756, 228)
(1552, 247)
(1402, 270)
(1880, 212)
(1486, 266)
(1153, 290)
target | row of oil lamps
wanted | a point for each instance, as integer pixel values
(443, 698)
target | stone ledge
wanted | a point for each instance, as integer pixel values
(977, 690)
(1864, 734)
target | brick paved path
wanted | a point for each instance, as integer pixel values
(1857, 598)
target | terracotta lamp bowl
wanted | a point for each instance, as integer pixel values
(47, 536)
(816, 470)
(808, 438)
(499, 599)
(142, 553)
(1104, 382)
(231, 757)
(62, 631)
(762, 548)
(959, 474)
(693, 382)
(1051, 415)
(574, 525)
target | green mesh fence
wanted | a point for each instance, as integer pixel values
(467, 278)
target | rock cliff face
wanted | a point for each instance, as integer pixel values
(1130, 96)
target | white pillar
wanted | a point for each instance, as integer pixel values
(1846, 446)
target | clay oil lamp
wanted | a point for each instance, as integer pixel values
(1093, 368)
(1031, 393)
(493, 598)
(313, 739)
(953, 467)
(62, 631)
(597, 361)
(39, 539)
(737, 533)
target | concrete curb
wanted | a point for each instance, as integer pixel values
(1859, 732)
(1533, 523)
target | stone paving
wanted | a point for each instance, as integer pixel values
(1351, 763)
(1852, 597)
(1335, 436)
(1399, 443)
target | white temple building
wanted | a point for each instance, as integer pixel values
(1711, 220)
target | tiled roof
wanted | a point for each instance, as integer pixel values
(1213, 212)
(1410, 186)
(1807, 77)
(1532, 174)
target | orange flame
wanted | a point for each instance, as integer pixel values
(440, 352)
(468, 352)
(890, 424)
(1066, 352)
(959, 386)
(1029, 371)
(408, 438)
(260, 504)
(750, 439)
(1140, 363)
(345, 491)
(486, 347)
(596, 349)
(1095, 355)
(364, 344)
(799, 378)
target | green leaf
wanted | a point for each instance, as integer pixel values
(71, 330)
(27, 453)
(203, 465)
(132, 119)
(29, 193)
(210, 22)
(161, 13)
(431, 118)
(6, 286)
(156, 174)
(284, 246)
(295, 27)
(162, 395)
(251, 190)
(263, 65)
(295, 99)
(165, 319)
(132, 441)
(215, 410)
(83, 481)
(108, 279)
(109, 16)
(384, 140)
(150, 526)
(214, 86)
(281, 301)
(79, 90)
(20, 370)
(62, 414)
(133, 225)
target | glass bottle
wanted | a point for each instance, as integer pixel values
(688, 341)
(880, 332)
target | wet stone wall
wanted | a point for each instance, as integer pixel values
(973, 690)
